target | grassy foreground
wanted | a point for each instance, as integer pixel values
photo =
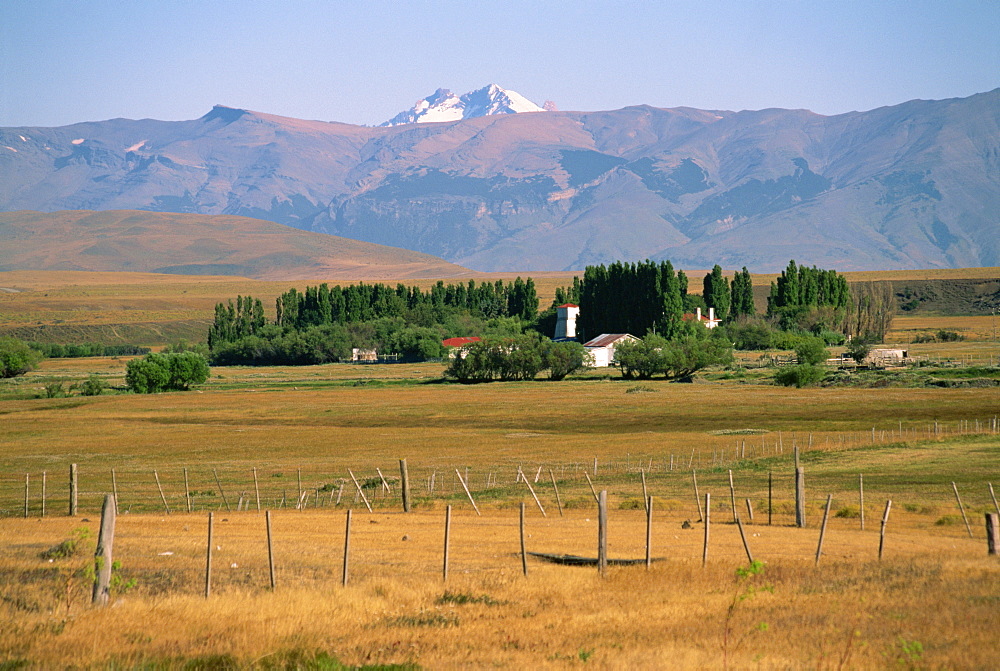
(929, 603)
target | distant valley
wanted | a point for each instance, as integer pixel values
(915, 185)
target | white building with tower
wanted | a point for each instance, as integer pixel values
(566, 315)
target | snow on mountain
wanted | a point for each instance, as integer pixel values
(443, 105)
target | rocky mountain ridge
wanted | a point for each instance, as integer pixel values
(915, 185)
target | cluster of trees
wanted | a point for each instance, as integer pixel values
(641, 297)
(520, 357)
(323, 324)
(56, 351)
(16, 358)
(674, 359)
(166, 372)
(802, 287)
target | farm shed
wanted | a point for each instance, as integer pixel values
(886, 357)
(602, 348)
(360, 354)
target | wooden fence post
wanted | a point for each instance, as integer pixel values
(800, 497)
(524, 553)
(208, 558)
(707, 518)
(881, 534)
(992, 534)
(592, 490)
(743, 537)
(992, 495)
(645, 493)
(347, 547)
(447, 535)
(649, 531)
(298, 475)
(270, 549)
(770, 489)
(469, 494)
(102, 556)
(822, 528)
(732, 496)
(697, 499)
(962, 508)
(114, 488)
(223, 494)
(256, 491)
(602, 532)
(187, 490)
(556, 488)
(73, 491)
(749, 511)
(861, 498)
(530, 489)
(404, 479)
(160, 489)
(360, 491)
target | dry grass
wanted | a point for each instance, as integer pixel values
(849, 611)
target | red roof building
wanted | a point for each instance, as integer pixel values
(460, 342)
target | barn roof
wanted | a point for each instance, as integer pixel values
(606, 339)
(459, 342)
(568, 305)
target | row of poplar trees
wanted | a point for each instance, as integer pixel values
(649, 296)
(321, 305)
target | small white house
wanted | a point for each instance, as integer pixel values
(566, 315)
(602, 348)
(359, 354)
(709, 322)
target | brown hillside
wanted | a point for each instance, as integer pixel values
(194, 244)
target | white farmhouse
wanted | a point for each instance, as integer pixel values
(602, 348)
(711, 321)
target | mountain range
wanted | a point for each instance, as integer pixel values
(915, 185)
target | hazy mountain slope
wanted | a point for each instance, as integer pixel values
(908, 186)
(191, 244)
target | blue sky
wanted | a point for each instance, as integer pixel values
(362, 62)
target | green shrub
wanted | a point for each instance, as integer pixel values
(802, 375)
(849, 512)
(16, 358)
(165, 372)
(811, 350)
(94, 386)
(54, 390)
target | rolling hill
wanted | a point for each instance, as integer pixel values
(195, 244)
(914, 185)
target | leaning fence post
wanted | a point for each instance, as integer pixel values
(102, 556)
(592, 490)
(160, 489)
(208, 558)
(697, 499)
(602, 532)
(270, 548)
(187, 490)
(224, 499)
(992, 495)
(743, 537)
(360, 491)
(73, 491)
(732, 496)
(645, 494)
(556, 488)
(822, 528)
(881, 534)
(468, 493)
(114, 489)
(404, 478)
(962, 508)
(530, 489)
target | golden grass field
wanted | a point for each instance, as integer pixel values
(930, 603)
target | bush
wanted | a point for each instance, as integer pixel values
(16, 358)
(858, 350)
(642, 359)
(799, 376)
(563, 358)
(811, 351)
(499, 358)
(164, 372)
(94, 386)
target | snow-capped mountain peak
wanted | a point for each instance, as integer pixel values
(443, 105)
